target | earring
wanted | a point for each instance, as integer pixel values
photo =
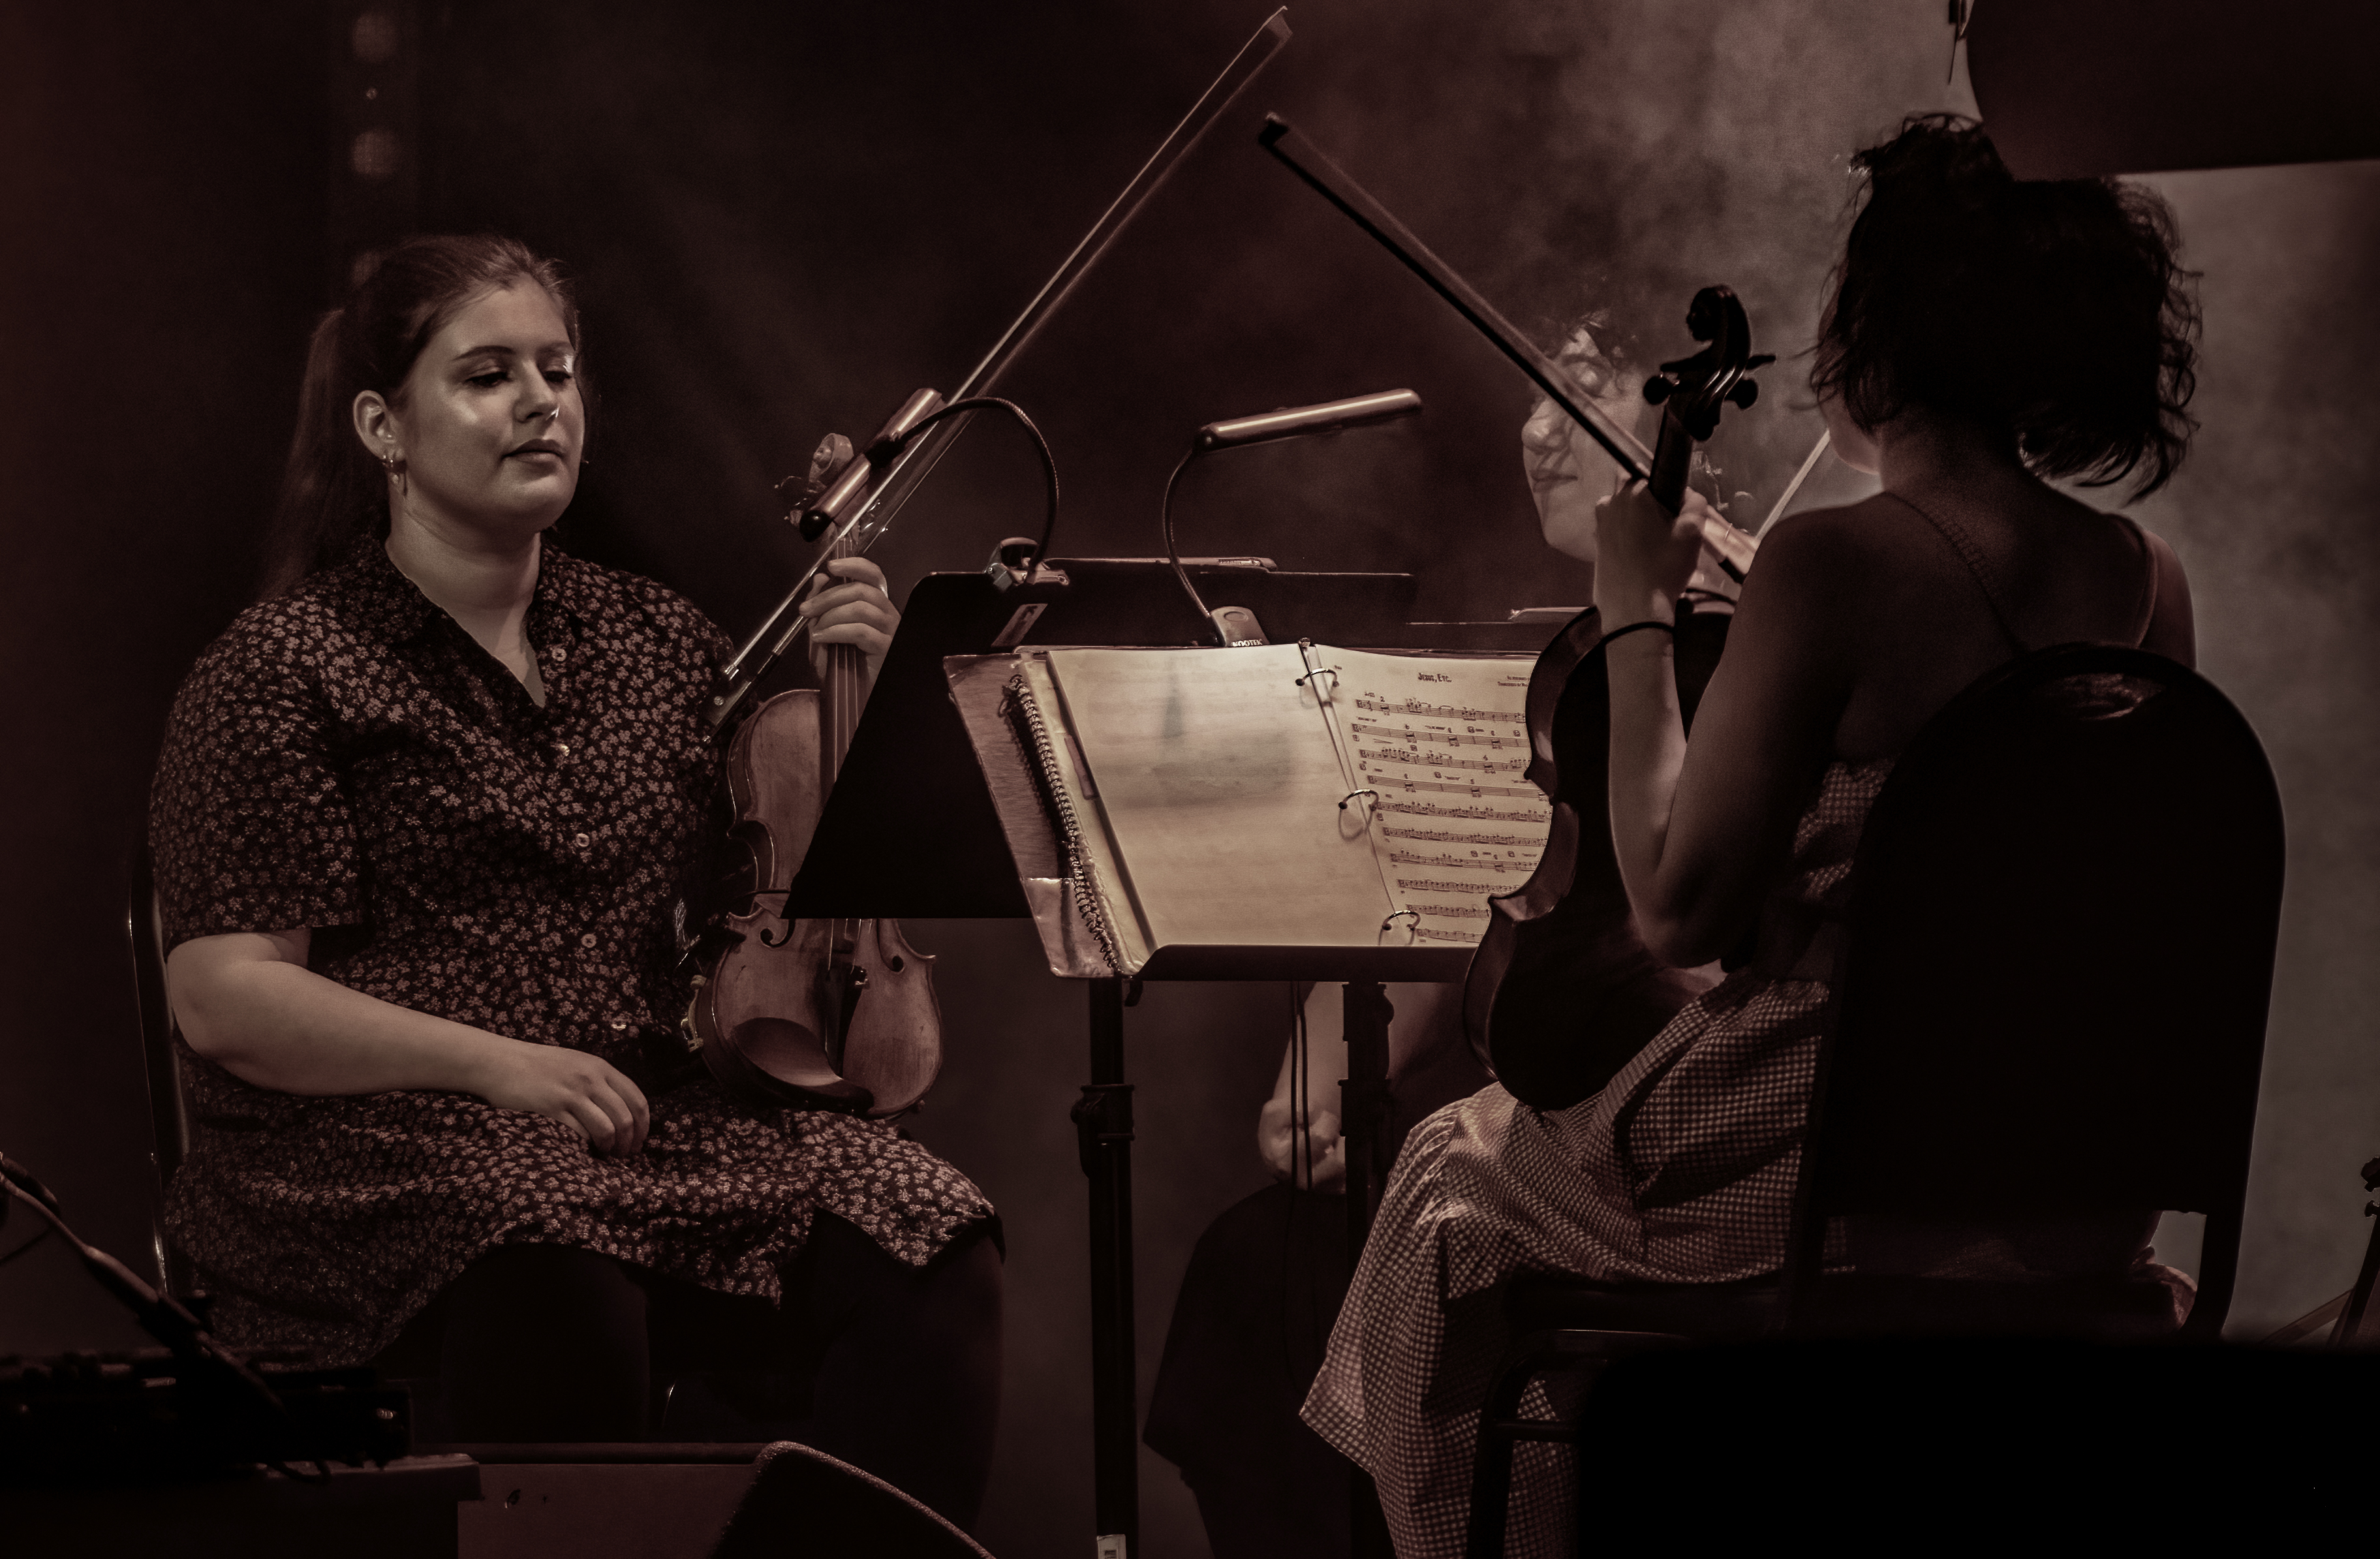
(395, 468)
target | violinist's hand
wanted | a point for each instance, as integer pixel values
(1644, 557)
(1284, 1147)
(582, 1091)
(847, 605)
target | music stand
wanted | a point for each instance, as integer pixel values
(935, 815)
(909, 831)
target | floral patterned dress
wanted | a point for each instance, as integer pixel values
(347, 759)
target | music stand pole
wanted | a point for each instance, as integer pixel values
(1103, 1135)
(1364, 1105)
(1365, 1013)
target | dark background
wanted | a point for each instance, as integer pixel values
(784, 218)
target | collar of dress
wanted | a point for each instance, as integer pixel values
(383, 603)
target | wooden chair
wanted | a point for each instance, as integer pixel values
(169, 1129)
(2050, 1001)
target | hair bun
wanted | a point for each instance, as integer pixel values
(2054, 311)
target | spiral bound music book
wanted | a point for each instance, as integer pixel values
(1284, 796)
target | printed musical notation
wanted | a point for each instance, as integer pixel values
(1444, 744)
(1409, 786)
(1441, 761)
(1443, 836)
(1461, 739)
(1478, 814)
(1431, 886)
(1475, 862)
(1375, 704)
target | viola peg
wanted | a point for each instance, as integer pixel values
(1659, 388)
(1743, 394)
(828, 462)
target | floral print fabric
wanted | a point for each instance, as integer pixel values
(347, 759)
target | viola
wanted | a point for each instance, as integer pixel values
(1563, 991)
(841, 1012)
(836, 1013)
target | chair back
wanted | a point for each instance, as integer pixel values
(169, 1131)
(2052, 992)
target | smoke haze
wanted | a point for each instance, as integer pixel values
(785, 218)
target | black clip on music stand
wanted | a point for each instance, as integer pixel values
(935, 816)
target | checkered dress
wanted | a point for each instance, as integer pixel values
(1680, 1170)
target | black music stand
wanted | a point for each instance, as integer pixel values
(909, 831)
(934, 817)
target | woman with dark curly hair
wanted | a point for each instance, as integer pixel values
(419, 820)
(1985, 336)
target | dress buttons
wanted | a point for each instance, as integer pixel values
(619, 1025)
(561, 749)
(588, 940)
(555, 652)
(579, 840)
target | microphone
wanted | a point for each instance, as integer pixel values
(1294, 421)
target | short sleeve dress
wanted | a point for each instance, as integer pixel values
(347, 759)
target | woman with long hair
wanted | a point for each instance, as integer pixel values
(419, 821)
(1985, 338)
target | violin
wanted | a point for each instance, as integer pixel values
(841, 1014)
(1563, 991)
(812, 1013)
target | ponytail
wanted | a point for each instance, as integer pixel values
(334, 494)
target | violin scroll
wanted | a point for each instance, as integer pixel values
(1719, 374)
(829, 460)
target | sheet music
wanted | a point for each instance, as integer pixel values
(1216, 777)
(1445, 741)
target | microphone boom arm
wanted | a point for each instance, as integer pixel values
(891, 487)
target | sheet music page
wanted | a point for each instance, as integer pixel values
(1218, 778)
(1444, 739)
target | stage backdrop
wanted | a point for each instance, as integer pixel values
(784, 218)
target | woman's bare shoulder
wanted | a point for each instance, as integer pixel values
(1850, 541)
(2173, 623)
(1877, 519)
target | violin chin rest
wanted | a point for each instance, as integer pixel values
(787, 1062)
